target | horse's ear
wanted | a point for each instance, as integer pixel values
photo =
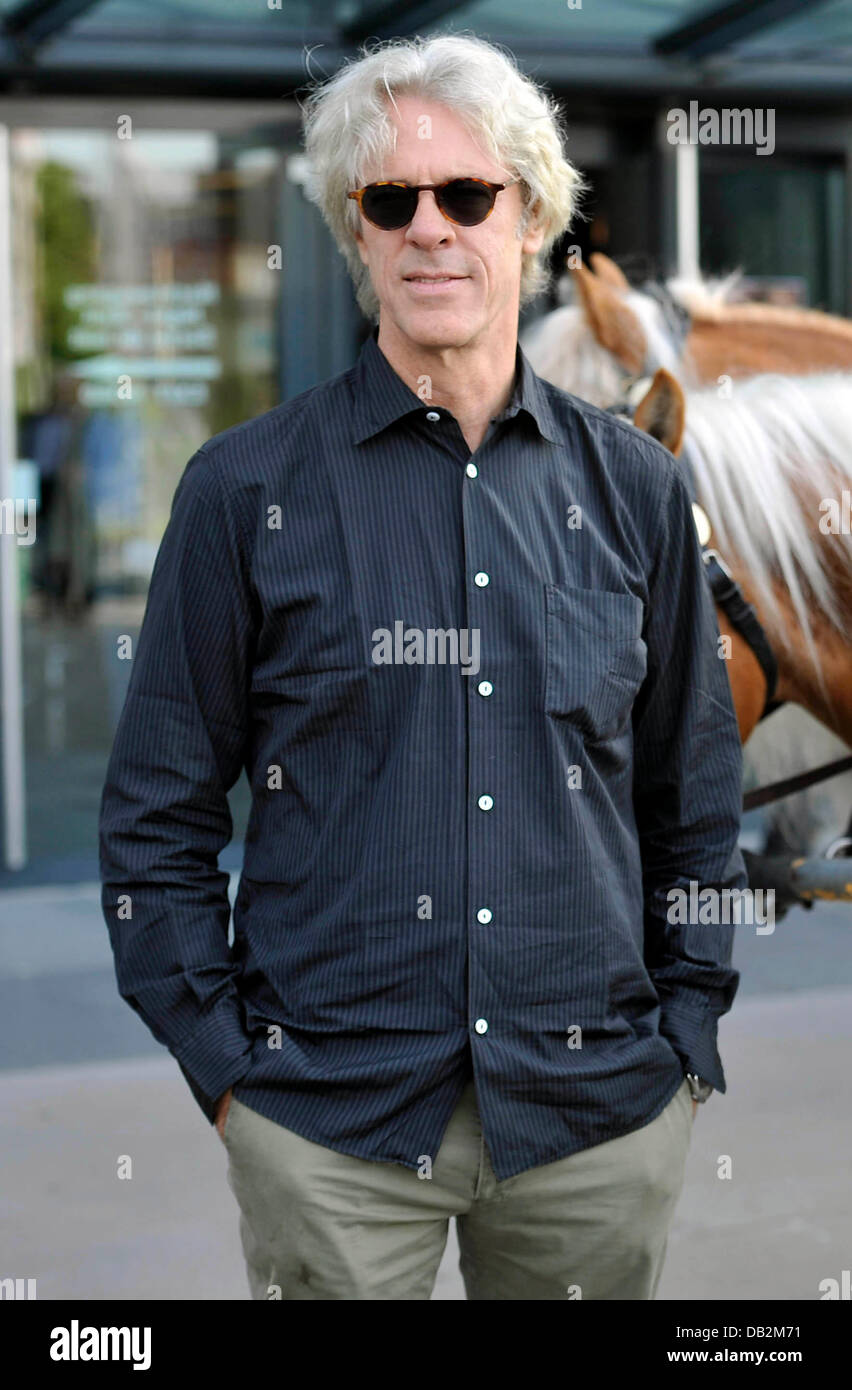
(662, 411)
(612, 321)
(605, 269)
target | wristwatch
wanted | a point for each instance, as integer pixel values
(699, 1089)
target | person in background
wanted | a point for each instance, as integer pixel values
(65, 544)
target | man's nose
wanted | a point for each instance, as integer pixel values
(428, 225)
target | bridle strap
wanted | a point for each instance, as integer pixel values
(676, 316)
(742, 617)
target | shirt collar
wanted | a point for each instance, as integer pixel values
(382, 397)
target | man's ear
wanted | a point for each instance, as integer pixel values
(533, 240)
(362, 247)
(534, 234)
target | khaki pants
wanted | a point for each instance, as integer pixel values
(317, 1224)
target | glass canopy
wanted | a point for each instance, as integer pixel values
(255, 46)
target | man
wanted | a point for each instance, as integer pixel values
(453, 623)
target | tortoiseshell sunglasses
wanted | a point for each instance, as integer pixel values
(390, 204)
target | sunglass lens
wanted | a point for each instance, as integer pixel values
(389, 207)
(466, 201)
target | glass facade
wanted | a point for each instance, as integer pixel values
(148, 282)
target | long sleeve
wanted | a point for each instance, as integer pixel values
(179, 748)
(687, 795)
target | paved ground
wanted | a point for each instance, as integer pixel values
(85, 1083)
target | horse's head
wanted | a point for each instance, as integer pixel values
(598, 346)
(602, 295)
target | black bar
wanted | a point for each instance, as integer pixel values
(213, 1342)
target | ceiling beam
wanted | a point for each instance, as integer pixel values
(718, 29)
(36, 21)
(239, 67)
(396, 19)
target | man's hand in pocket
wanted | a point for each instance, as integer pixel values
(222, 1112)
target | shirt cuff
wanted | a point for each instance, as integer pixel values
(692, 1033)
(215, 1055)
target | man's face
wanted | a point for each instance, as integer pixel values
(483, 300)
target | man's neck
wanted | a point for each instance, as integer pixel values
(473, 384)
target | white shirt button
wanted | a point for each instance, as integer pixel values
(481, 1025)
(481, 579)
(485, 803)
(484, 915)
(432, 415)
(471, 470)
(485, 687)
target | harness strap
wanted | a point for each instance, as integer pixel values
(762, 796)
(744, 620)
(741, 615)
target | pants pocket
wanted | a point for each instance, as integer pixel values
(685, 1095)
(229, 1119)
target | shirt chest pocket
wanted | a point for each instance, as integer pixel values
(595, 656)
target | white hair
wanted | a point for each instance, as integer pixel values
(348, 127)
(763, 459)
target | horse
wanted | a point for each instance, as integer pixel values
(771, 468)
(614, 333)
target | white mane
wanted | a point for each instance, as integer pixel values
(754, 454)
(702, 296)
(749, 453)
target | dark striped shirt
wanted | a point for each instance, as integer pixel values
(458, 858)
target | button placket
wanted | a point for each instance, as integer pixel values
(484, 801)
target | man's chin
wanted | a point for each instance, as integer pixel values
(436, 328)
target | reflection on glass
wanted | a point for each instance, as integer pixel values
(146, 302)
